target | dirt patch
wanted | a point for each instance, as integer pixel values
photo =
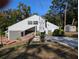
(71, 34)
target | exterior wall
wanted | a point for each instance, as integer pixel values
(73, 28)
(51, 27)
(69, 28)
(14, 34)
(14, 31)
(40, 26)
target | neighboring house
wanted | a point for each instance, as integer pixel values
(31, 24)
(70, 28)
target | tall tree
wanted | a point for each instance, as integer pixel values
(66, 8)
(23, 10)
(11, 16)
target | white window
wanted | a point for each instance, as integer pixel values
(30, 22)
(35, 22)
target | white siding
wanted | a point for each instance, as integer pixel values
(23, 25)
(51, 27)
(14, 34)
(15, 30)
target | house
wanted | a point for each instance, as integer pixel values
(30, 24)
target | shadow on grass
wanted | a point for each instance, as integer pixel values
(34, 54)
(60, 53)
(25, 55)
(6, 52)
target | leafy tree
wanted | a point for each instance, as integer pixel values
(23, 10)
(57, 11)
(56, 19)
(10, 16)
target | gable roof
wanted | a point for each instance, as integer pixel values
(51, 26)
(22, 25)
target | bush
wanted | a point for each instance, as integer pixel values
(42, 36)
(18, 38)
(58, 32)
(38, 33)
(49, 32)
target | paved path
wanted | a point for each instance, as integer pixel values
(72, 42)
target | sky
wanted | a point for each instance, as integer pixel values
(37, 6)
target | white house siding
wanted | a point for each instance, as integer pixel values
(14, 34)
(51, 27)
(15, 30)
(41, 25)
(23, 25)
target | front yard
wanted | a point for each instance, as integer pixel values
(52, 50)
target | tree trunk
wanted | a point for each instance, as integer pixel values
(1, 41)
(65, 18)
(65, 15)
(73, 21)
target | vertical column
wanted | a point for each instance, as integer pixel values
(35, 30)
(23, 33)
(8, 35)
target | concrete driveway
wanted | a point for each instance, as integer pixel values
(72, 42)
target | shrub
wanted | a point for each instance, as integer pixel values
(58, 32)
(42, 36)
(49, 32)
(18, 38)
(38, 33)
